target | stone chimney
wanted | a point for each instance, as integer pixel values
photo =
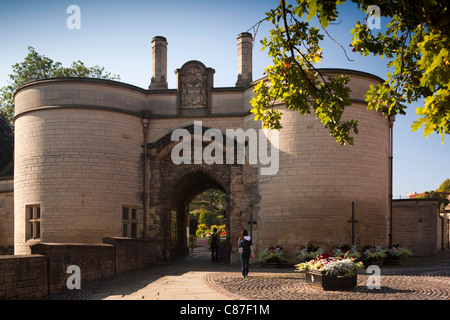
(159, 64)
(245, 46)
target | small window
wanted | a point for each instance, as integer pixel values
(125, 213)
(33, 222)
(133, 230)
(129, 222)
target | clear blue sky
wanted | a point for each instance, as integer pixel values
(117, 35)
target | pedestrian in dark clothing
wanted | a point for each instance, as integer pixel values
(245, 251)
(215, 242)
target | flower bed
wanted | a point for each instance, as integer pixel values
(310, 252)
(349, 252)
(336, 266)
(330, 272)
(271, 256)
(306, 255)
(377, 256)
(373, 256)
(397, 255)
(329, 282)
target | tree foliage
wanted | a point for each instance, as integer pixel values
(35, 67)
(206, 217)
(440, 194)
(445, 186)
(208, 207)
(215, 197)
(6, 143)
(416, 41)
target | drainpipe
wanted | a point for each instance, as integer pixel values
(391, 157)
(145, 122)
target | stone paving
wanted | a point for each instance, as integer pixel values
(196, 278)
(287, 286)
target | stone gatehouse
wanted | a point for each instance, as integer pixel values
(93, 160)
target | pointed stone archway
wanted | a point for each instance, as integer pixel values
(183, 190)
(172, 187)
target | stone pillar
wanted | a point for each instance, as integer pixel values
(159, 63)
(245, 46)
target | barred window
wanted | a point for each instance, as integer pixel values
(129, 222)
(33, 216)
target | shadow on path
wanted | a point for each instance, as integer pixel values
(164, 279)
(195, 277)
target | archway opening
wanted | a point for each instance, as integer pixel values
(207, 212)
(196, 199)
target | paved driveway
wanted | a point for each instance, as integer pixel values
(197, 278)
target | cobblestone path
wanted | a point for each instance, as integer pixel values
(394, 285)
(420, 278)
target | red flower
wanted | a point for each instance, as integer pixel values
(326, 256)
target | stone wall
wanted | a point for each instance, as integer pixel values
(417, 225)
(6, 216)
(95, 262)
(131, 254)
(23, 277)
(45, 271)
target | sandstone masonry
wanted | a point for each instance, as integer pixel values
(92, 160)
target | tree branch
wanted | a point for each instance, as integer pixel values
(291, 47)
(345, 52)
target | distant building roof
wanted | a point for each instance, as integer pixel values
(412, 195)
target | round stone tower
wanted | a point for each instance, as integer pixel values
(319, 182)
(78, 145)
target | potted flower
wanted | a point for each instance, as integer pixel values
(397, 255)
(348, 252)
(373, 256)
(309, 253)
(272, 256)
(330, 272)
(343, 246)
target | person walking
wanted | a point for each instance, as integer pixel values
(215, 242)
(245, 251)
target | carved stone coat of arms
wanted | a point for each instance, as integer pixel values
(193, 88)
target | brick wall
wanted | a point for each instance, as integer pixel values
(131, 254)
(23, 277)
(45, 271)
(417, 225)
(95, 261)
